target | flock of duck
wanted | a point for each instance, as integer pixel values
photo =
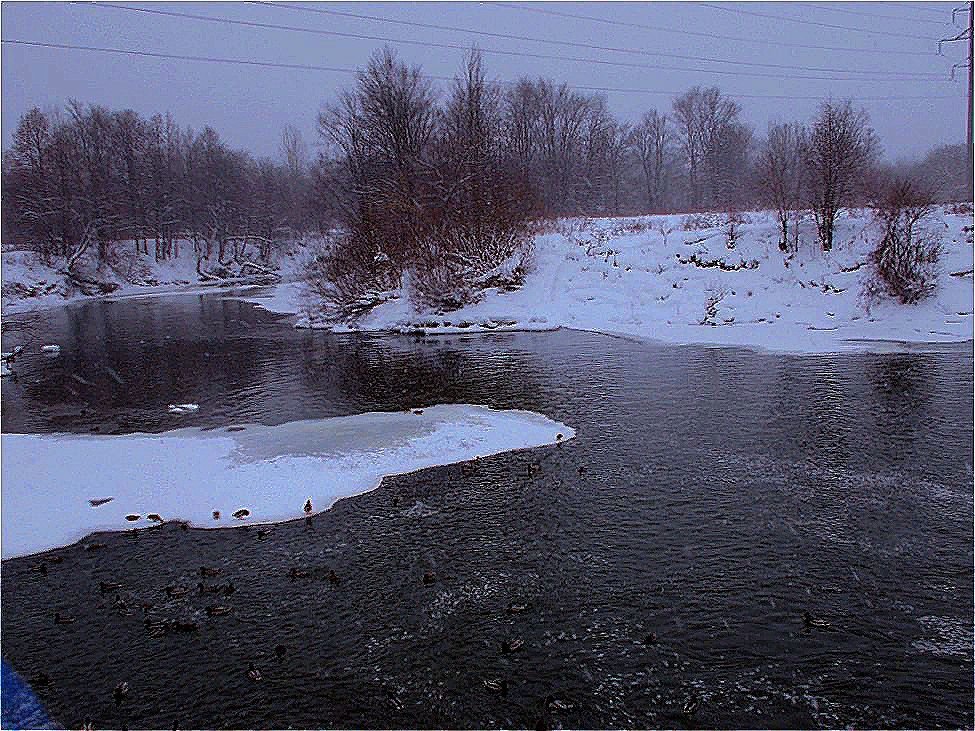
(158, 627)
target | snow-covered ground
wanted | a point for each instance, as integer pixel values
(675, 279)
(31, 284)
(270, 471)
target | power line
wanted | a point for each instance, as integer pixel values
(334, 69)
(914, 76)
(833, 9)
(925, 7)
(887, 34)
(641, 52)
(702, 34)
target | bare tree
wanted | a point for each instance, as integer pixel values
(781, 177)
(710, 136)
(840, 150)
(651, 140)
(294, 150)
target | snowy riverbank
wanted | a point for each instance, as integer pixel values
(648, 277)
(270, 471)
(31, 284)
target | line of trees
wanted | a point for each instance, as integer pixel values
(81, 181)
(438, 189)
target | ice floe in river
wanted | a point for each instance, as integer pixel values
(187, 474)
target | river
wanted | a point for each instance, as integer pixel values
(656, 567)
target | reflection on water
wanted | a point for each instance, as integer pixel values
(664, 556)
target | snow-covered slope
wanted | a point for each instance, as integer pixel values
(676, 279)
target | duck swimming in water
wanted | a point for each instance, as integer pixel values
(217, 611)
(253, 673)
(497, 685)
(812, 622)
(509, 646)
(62, 618)
(429, 578)
(107, 587)
(176, 592)
(207, 571)
(120, 692)
(333, 578)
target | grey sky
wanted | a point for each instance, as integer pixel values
(250, 105)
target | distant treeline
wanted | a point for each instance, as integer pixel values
(420, 181)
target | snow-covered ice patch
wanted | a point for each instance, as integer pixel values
(187, 474)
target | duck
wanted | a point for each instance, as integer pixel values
(41, 569)
(559, 437)
(497, 685)
(155, 627)
(216, 515)
(107, 587)
(333, 578)
(62, 618)
(559, 705)
(691, 705)
(132, 517)
(582, 470)
(176, 592)
(120, 692)
(253, 673)
(509, 646)
(87, 724)
(41, 679)
(517, 607)
(308, 507)
(204, 589)
(650, 639)
(296, 573)
(418, 412)
(217, 610)
(56, 559)
(121, 608)
(429, 578)
(207, 571)
(263, 533)
(229, 588)
(154, 517)
(241, 514)
(812, 622)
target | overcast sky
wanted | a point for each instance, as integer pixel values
(249, 105)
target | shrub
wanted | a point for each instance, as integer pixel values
(700, 221)
(905, 260)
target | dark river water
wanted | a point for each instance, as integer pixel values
(656, 567)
